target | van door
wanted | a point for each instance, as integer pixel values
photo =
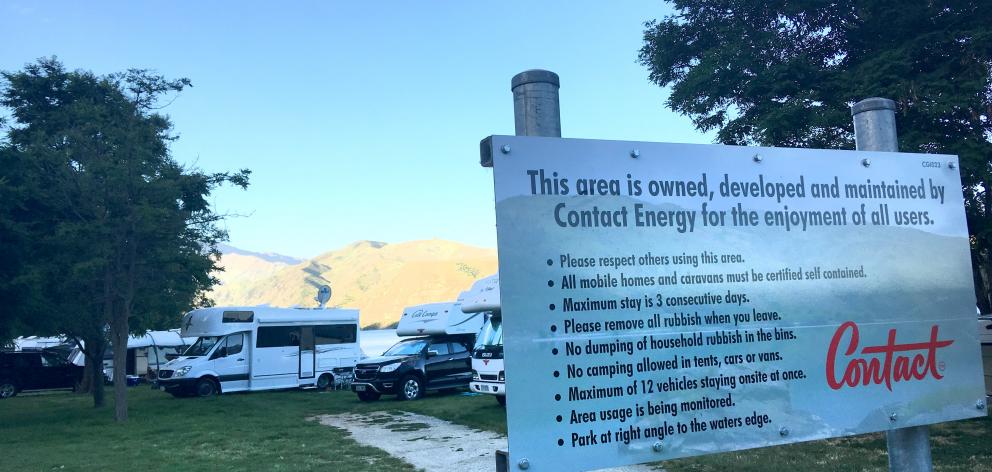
(231, 363)
(276, 357)
(307, 352)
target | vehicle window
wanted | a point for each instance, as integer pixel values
(458, 348)
(278, 336)
(406, 348)
(491, 334)
(238, 317)
(51, 360)
(234, 343)
(335, 334)
(441, 348)
(202, 346)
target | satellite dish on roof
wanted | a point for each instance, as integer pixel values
(323, 295)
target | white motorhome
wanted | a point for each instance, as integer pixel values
(488, 375)
(262, 348)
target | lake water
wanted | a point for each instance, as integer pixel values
(375, 341)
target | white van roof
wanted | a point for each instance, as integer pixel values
(438, 318)
(482, 296)
(210, 321)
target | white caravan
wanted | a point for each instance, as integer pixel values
(488, 375)
(262, 348)
(148, 353)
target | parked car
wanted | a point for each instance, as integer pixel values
(414, 366)
(36, 370)
(438, 355)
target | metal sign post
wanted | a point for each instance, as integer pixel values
(536, 112)
(875, 130)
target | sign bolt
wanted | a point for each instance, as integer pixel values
(951, 165)
(893, 417)
(757, 158)
(505, 149)
(866, 162)
(657, 446)
(980, 405)
(635, 153)
(523, 464)
(784, 431)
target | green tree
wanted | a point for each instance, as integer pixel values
(785, 73)
(114, 234)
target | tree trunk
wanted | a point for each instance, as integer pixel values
(92, 381)
(119, 334)
(96, 381)
(86, 382)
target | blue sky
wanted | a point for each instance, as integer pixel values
(359, 120)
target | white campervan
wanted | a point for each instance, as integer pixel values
(488, 375)
(261, 348)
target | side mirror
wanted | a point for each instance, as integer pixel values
(431, 354)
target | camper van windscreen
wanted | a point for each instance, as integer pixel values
(202, 346)
(491, 335)
(238, 317)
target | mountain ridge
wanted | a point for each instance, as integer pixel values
(378, 278)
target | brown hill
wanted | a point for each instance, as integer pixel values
(379, 279)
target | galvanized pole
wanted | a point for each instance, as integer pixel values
(535, 113)
(535, 103)
(875, 130)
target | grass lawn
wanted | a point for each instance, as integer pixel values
(250, 431)
(268, 431)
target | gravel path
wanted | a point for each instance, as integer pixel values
(429, 443)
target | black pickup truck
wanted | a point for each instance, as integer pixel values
(414, 366)
(36, 370)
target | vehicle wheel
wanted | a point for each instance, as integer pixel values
(7, 388)
(410, 388)
(325, 381)
(368, 396)
(206, 387)
(501, 400)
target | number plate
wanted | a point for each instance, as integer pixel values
(359, 388)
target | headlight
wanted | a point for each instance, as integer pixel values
(502, 376)
(390, 367)
(181, 372)
(475, 375)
